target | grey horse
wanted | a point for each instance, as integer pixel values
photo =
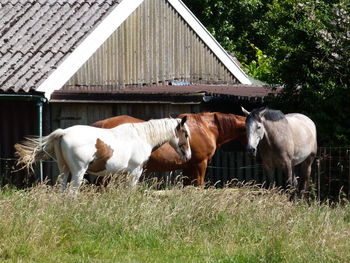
(282, 141)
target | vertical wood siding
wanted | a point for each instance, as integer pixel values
(154, 45)
(64, 115)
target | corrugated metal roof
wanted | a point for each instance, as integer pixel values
(36, 36)
(161, 92)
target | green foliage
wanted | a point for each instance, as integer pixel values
(310, 47)
(306, 42)
(303, 45)
(233, 23)
(259, 68)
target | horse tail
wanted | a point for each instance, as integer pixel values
(34, 149)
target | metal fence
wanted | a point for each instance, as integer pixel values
(227, 167)
(330, 172)
(330, 176)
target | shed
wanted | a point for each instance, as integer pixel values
(76, 62)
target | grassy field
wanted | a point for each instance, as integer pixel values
(178, 225)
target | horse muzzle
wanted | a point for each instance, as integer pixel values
(185, 156)
(251, 151)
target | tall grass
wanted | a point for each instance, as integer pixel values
(178, 225)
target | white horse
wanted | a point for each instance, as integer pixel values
(125, 148)
(282, 141)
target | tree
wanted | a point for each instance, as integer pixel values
(310, 50)
(233, 23)
(303, 45)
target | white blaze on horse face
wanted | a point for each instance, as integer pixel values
(181, 142)
(255, 132)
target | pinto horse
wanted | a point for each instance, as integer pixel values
(209, 130)
(282, 141)
(79, 149)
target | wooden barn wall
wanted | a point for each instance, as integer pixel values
(67, 114)
(154, 45)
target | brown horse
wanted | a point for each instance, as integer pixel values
(208, 132)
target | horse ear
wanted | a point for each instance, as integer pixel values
(245, 112)
(183, 120)
(261, 113)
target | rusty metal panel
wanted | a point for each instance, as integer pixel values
(154, 45)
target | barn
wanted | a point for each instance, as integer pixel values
(75, 62)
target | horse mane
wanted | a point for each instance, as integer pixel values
(224, 122)
(156, 129)
(269, 114)
(195, 116)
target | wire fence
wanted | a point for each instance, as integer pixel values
(330, 172)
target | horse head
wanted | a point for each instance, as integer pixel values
(255, 128)
(181, 141)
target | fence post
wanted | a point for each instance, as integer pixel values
(40, 105)
(318, 165)
(348, 151)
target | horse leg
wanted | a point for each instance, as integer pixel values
(270, 176)
(63, 184)
(195, 173)
(62, 165)
(63, 177)
(77, 179)
(201, 170)
(305, 176)
(291, 181)
(135, 176)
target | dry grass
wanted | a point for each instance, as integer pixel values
(178, 225)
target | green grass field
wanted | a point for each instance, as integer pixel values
(178, 225)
